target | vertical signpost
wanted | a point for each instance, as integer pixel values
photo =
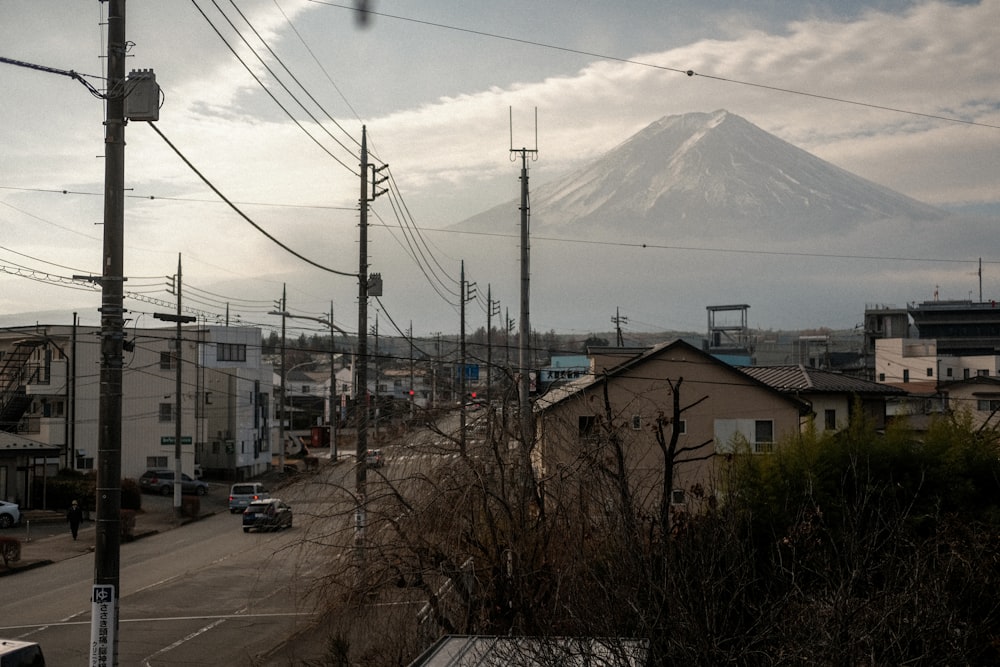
(102, 627)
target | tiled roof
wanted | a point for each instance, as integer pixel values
(811, 380)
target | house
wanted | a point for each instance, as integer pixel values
(22, 460)
(629, 396)
(978, 396)
(238, 405)
(832, 396)
(513, 651)
(50, 394)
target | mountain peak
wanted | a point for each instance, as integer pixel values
(709, 173)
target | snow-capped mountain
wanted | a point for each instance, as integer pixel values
(707, 174)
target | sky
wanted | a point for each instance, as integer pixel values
(906, 94)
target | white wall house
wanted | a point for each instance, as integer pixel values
(912, 360)
(238, 404)
(50, 395)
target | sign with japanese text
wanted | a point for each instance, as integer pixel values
(102, 626)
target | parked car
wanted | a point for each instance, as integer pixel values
(162, 482)
(241, 495)
(375, 459)
(16, 653)
(10, 514)
(268, 514)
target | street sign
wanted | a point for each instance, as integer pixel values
(169, 440)
(103, 622)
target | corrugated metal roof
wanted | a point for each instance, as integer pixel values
(491, 651)
(811, 380)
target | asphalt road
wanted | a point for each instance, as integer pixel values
(202, 594)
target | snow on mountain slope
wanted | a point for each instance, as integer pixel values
(702, 174)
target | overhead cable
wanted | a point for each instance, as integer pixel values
(244, 215)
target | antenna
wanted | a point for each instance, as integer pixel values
(522, 151)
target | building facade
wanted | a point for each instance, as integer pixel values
(50, 395)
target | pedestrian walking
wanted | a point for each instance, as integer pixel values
(74, 516)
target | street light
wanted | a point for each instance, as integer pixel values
(333, 371)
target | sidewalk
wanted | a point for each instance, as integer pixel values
(157, 515)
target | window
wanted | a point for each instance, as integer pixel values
(732, 435)
(677, 497)
(987, 405)
(167, 361)
(830, 419)
(587, 428)
(230, 352)
(983, 372)
(636, 422)
(84, 462)
(306, 388)
(930, 372)
(156, 461)
(681, 426)
(950, 372)
(906, 375)
(166, 412)
(763, 436)
(965, 373)
(881, 377)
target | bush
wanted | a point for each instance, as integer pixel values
(131, 495)
(190, 506)
(10, 550)
(69, 485)
(127, 522)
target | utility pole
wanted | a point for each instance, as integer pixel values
(618, 321)
(524, 349)
(411, 394)
(334, 407)
(178, 358)
(281, 406)
(367, 286)
(492, 308)
(462, 389)
(375, 393)
(107, 551)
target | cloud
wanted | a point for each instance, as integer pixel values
(447, 134)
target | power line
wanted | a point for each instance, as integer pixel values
(164, 198)
(266, 89)
(244, 215)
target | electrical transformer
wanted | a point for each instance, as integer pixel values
(142, 95)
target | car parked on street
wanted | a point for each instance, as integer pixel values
(162, 482)
(268, 514)
(241, 495)
(375, 459)
(16, 653)
(10, 514)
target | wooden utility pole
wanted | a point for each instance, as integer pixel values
(107, 550)
(524, 344)
(178, 358)
(462, 388)
(361, 371)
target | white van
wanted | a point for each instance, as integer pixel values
(15, 653)
(241, 495)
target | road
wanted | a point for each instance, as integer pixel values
(202, 594)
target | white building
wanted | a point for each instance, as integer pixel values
(50, 400)
(916, 361)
